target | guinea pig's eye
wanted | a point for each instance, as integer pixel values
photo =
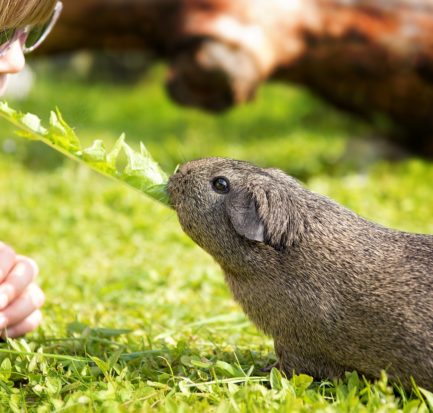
(221, 185)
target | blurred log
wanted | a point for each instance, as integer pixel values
(366, 56)
(113, 25)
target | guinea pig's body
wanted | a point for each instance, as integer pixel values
(335, 291)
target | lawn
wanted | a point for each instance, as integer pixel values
(137, 317)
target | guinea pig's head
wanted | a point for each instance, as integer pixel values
(225, 204)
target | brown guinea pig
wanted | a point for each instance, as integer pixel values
(335, 291)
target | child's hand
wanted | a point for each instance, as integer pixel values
(20, 297)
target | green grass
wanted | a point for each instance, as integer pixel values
(137, 317)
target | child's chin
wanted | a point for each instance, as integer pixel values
(3, 83)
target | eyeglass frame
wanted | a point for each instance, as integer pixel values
(18, 33)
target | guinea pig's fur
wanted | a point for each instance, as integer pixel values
(335, 291)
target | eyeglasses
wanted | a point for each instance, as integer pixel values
(30, 36)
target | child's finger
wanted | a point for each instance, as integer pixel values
(19, 277)
(7, 260)
(24, 326)
(32, 299)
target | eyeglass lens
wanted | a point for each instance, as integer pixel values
(6, 35)
(35, 35)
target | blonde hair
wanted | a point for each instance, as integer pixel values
(20, 13)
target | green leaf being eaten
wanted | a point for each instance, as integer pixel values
(141, 171)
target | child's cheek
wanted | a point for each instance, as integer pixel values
(3, 83)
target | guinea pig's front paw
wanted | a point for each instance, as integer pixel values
(268, 368)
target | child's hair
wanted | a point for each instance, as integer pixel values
(19, 13)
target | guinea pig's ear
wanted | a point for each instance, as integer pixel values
(242, 211)
(267, 216)
(281, 215)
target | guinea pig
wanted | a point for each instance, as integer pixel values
(336, 292)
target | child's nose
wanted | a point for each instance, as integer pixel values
(13, 61)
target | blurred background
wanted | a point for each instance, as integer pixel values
(352, 81)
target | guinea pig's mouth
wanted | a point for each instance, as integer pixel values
(170, 192)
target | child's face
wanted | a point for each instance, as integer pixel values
(11, 62)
